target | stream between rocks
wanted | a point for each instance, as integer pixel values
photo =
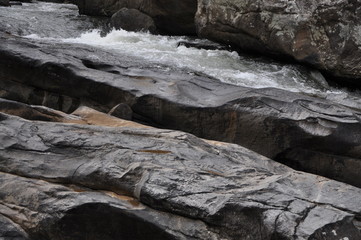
(69, 164)
(62, 23)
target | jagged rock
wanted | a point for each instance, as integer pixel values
(132, 20)
(323, 33)
(105, 183)
(269, 121)
(4, 3)
(170, 16)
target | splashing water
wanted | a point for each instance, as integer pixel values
(228, 67)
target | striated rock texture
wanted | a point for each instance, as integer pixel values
(323, 33)
(274, 123)
(75, 181)
(170, 16)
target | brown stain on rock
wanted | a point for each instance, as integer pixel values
(132, 201)
(93, 117)
(155, 151)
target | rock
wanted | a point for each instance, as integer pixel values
(203, 45)
(269, 121)
(10, 230)
(71, 181)
(17, 20)
(325, 34)
(40, 113)
(170, 16)
(4, 3)
(82, 115)
(132, 20)
(122, 110)
(72, 212)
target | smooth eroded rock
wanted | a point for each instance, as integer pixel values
(128, 182)
(323, 33)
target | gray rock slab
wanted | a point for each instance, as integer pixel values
(62, 176)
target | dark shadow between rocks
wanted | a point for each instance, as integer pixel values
(98, 221)
(341, 168)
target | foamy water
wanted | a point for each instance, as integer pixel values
(228, 67)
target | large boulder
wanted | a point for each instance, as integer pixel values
(170, 16)
(323, 33)
(132, 20)
(72, 181)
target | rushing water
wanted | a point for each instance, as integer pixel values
(62, 23)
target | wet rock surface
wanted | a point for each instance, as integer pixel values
(323, 33)
(58, 181)
(269, 121)
(170, 16)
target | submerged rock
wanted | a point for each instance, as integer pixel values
(132, 20)
(323, 33)
(170, 16)
(71, 181)
(269, 121)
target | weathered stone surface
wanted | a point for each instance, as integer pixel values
(53, 211)
(323, 33)
(269, 121)
(170, 16)
(95, 180)
(10, 230)
(132, 20)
